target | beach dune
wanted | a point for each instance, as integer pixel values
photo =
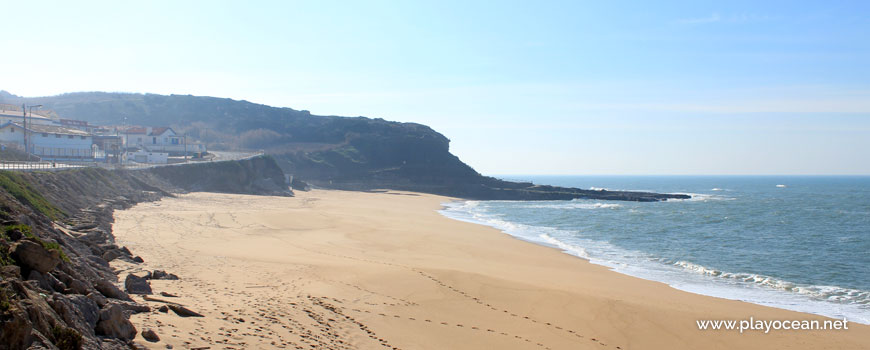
(353, 270)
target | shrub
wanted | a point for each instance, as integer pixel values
(66, 338)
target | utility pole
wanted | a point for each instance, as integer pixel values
(24, 118)
(25, 127)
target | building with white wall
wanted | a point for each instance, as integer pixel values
(49, 142)
(160, 139)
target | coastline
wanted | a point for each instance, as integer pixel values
(338, 269)
(684, 276)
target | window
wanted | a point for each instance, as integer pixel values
(11, 129)
(153, 140)
(83, 137)
(70, 136)
(45, 134)
(57, 136)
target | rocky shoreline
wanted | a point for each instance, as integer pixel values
(57, 289)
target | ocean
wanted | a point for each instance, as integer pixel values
(794, 242)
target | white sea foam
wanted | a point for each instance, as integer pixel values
(716, 189)
(781, 186)
(573, 204)
(700, 197)
(829, 301)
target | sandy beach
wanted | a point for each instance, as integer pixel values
(352, 270)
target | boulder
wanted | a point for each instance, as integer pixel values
(163, 275)
(34, 256)
(77, 311)
(110, 255)
(115, 324)
(110, 290)
(98, 298)
(131, 307)
(149, 335)
(78, 287)
(46, 281)
(137, 285)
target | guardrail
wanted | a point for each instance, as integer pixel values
(64, 165)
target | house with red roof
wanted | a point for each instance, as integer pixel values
(159, 139)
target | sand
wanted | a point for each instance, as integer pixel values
(352, 270)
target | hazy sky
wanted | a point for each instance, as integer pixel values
(531, 87)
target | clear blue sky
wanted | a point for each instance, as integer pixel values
(531, 87)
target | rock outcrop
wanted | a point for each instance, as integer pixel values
(137, 285)
(34, 256)
(113, 323)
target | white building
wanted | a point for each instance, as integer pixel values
(50, 142)
(143, 156)
(161, 139)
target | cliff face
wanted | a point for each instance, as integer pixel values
(327, 151)
(56, 287)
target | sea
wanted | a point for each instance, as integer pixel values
(793, 242)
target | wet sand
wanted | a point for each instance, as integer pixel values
(352, 270)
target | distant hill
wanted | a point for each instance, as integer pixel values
(328, 151)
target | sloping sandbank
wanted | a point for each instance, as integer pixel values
(353, 270)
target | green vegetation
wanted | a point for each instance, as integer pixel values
(5, 259)
(5, 304)
(19, 188)
(66, 338)
(25, 230)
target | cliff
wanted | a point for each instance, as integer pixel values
(57, 290)
(327, 151)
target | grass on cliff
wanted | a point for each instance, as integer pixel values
(16, 186)
(25, 230)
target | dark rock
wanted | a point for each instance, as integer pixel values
(137, 285)
(110, 290)
(34, 256)
(138, 259)
(163, 275)
(168, 295)
(46, 281)
(163, 309)
(114, 323)
(77, 311)
(98, 298)
(99, 261)
(110, 255)
(15, 329)
(150, 335)
(78, 287)
(14, 234)
(183, 311)
(131, 307)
